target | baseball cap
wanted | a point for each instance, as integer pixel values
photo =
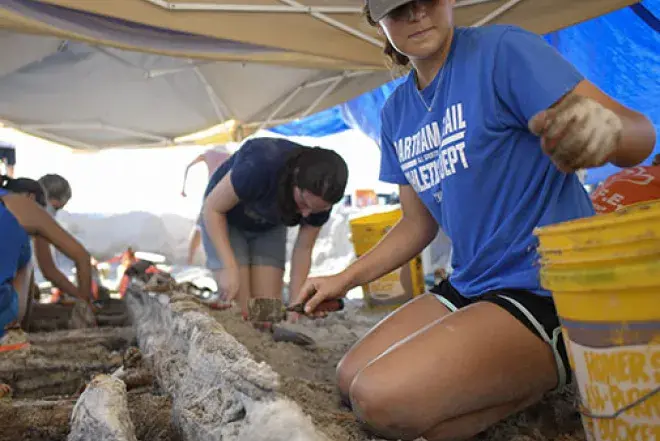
(378, 9)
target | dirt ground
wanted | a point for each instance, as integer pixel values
(308, 377)
(48, 379)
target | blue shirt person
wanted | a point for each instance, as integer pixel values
(483, 138)
(269, 184)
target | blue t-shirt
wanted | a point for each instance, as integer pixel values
(255, 170)
(473, 161)
(15, 253)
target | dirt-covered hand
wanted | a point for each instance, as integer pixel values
(578, 133)
(230, 280)
(319, 289)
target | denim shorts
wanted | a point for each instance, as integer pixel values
(251, 248)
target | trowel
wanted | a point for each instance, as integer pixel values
(273, 310)
(267, 314)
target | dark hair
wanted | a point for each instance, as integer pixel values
(24, 186)
(656, 159)
(56, 187)
(395, 57)
(320, 171)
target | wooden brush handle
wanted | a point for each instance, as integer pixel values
(330, 306)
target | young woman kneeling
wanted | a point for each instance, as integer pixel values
(483, 138)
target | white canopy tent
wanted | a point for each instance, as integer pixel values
(97, 74)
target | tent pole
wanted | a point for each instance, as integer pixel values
(308, 85)
(281, 106)
(496, 13)
(155, 73)
(292, 6)
(332, 86)
(255, 8)
(337, 24)
(119, 59)
(216, 102)
(327, 80)
(66, 142)
(93, 126)
(464, 3)
(134, 132)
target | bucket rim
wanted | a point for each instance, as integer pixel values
(364, 219)
(590, 246)
(552, 263)
(642, 212)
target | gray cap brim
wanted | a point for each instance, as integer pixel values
(378, 9)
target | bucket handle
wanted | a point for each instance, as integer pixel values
(604, 416)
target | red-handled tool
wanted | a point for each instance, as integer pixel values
(332, 305)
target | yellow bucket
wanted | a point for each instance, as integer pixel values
(604, 274)
(399, 286)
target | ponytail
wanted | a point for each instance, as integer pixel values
(24, 186)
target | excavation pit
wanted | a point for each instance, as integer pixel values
(48, 379)
(204, 375)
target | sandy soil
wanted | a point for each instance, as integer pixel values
(48, 379)
(308, 376)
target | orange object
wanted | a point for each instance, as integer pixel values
(14, 347)
(95, 290)
(629, 186)
(365, 198)
(55, 295)
(123, 285)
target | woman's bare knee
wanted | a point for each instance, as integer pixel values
(376, 403)
(411, 317)
(347, 368)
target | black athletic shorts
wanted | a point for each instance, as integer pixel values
(537, 313)
(8, 154)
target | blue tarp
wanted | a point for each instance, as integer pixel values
(619, 52)
(327, 122)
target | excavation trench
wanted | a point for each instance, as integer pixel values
(202, 375)
(49, 378)
(232, 382)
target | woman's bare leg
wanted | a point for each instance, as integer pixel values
(193, 245)
(266, 282)
(455, 377)
(403, 322)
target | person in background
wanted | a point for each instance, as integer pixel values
(8, 158)
(58, 193)
(22, 214)
(483, 138)
(627, 187)
(213, 158)
(269, 184)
